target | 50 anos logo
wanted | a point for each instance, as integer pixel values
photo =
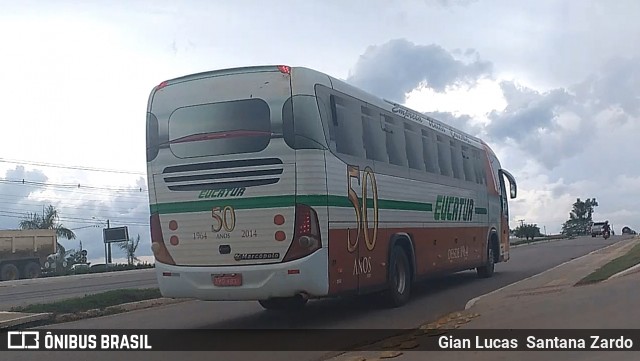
(362, 218)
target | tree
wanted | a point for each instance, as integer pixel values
(580, 217)
(76, 257)
(48, 220)
(527, 231)
(130, 248)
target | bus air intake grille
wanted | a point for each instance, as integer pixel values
(225, 174)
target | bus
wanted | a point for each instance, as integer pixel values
(281, 184)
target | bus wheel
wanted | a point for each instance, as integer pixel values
(285, 303)
(399, 280)
(488, 269)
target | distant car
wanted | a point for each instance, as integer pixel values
(79, 268)
(101, 267)
(596, 229)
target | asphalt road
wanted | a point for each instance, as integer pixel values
(25, 292)
(430, 300)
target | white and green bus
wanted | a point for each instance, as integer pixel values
(281, 184)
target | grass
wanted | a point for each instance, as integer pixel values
(525, 241)
(95, 301)
(113, 268)
(535, 240)
(619, 264)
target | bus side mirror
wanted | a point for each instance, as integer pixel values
(513, 187)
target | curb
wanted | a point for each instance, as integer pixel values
(139, 305)
(28, 318)
(116, 309)
(473, 301)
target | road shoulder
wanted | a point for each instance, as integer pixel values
(548, 300)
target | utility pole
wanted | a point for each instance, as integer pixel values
(109, 248)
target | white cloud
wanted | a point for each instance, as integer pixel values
(476, 101)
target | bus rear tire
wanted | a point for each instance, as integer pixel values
(488, 269)
(284, 303)
(399, 281)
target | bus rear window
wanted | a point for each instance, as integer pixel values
(240, 126)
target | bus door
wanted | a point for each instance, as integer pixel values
(504, 210)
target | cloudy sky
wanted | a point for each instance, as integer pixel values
(553, 86)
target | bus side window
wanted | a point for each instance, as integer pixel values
(456, 159)
(324, 107)
(396, 147)
(413, 140)
(334, 112)
(444, 156)
(373, 136)
(430, 151)
(348, 126)
(479, 167)
(308, 129)
(468, 165)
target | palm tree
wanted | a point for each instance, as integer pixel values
(48, 220)
(130, 247)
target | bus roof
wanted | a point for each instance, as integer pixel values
(352, 90)
(228, 71)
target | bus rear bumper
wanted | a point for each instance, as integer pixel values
(308, 275)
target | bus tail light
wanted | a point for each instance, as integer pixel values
(306, 238)
(160, 251)
(162, 85)
(284, 69)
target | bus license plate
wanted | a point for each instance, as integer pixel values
(227, 280)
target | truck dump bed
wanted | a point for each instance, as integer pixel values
(24, 252)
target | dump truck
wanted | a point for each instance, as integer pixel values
(23, 253)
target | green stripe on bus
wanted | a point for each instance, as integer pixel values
(282, 201)
(403, 205)
(481, 210)
(237, 203)
(340, 201)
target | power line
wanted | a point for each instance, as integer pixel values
(95, 193)
(84, 227)
(22, 205)
(28, 205)
(67, 218)
(76, 191)
(84, 168)
(39, 198)
(76, 220)
(68, 185)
